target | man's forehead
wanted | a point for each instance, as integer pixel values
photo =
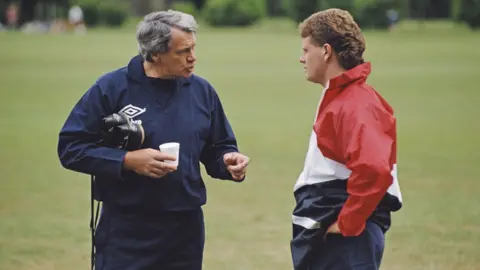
(306, 41)
(179, 36)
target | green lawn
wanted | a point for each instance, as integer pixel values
(431, 80)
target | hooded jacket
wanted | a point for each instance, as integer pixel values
(350, 171)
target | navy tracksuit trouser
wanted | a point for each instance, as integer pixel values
(363, 252)
(166, 241)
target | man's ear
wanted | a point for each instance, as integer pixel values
(328, 52)
(156, 58)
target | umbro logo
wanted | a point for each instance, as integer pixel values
(132, 111)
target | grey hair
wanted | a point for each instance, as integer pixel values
(155, 31)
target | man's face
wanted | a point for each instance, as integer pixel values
(314, 60)
(179, 60)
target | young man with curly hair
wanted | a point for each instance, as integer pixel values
(348, 187)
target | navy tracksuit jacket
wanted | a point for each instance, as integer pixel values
(186, 110)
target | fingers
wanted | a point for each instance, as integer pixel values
(235, 159)
(229, 159)
(238, 177)
(161, 156)
(237, 169)
(160, 169)
(163, 166)
(333, 228)
(168, 167)
(155, 173)
(240, 167)
(236, 165)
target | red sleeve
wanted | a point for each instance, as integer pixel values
(367, 137)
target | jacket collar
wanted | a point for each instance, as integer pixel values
(357, 73)
(136, 72)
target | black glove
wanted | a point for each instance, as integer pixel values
(120, 132)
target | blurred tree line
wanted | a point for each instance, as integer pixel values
(368, 13)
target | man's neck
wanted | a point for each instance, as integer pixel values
(332, 72)
(153, 71)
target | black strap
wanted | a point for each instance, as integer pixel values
(93, 220)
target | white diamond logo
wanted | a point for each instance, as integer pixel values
(132, 111)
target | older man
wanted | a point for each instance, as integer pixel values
(151, 214)
(348, 187)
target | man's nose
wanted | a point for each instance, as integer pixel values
(302, 60)
(192, 58)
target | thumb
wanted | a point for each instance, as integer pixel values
(229, 159)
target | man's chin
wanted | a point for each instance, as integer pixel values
(188, 74)
(312, 79)
(309, 78)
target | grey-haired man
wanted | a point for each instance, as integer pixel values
(152, 210)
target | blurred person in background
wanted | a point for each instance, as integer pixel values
(348, 187)
(75, 20)
(152, 214)
(392, 17)
(11, 15)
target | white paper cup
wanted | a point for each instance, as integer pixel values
(171, 148)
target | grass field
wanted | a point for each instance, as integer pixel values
(431, 80)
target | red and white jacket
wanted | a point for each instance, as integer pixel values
(350, 172)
